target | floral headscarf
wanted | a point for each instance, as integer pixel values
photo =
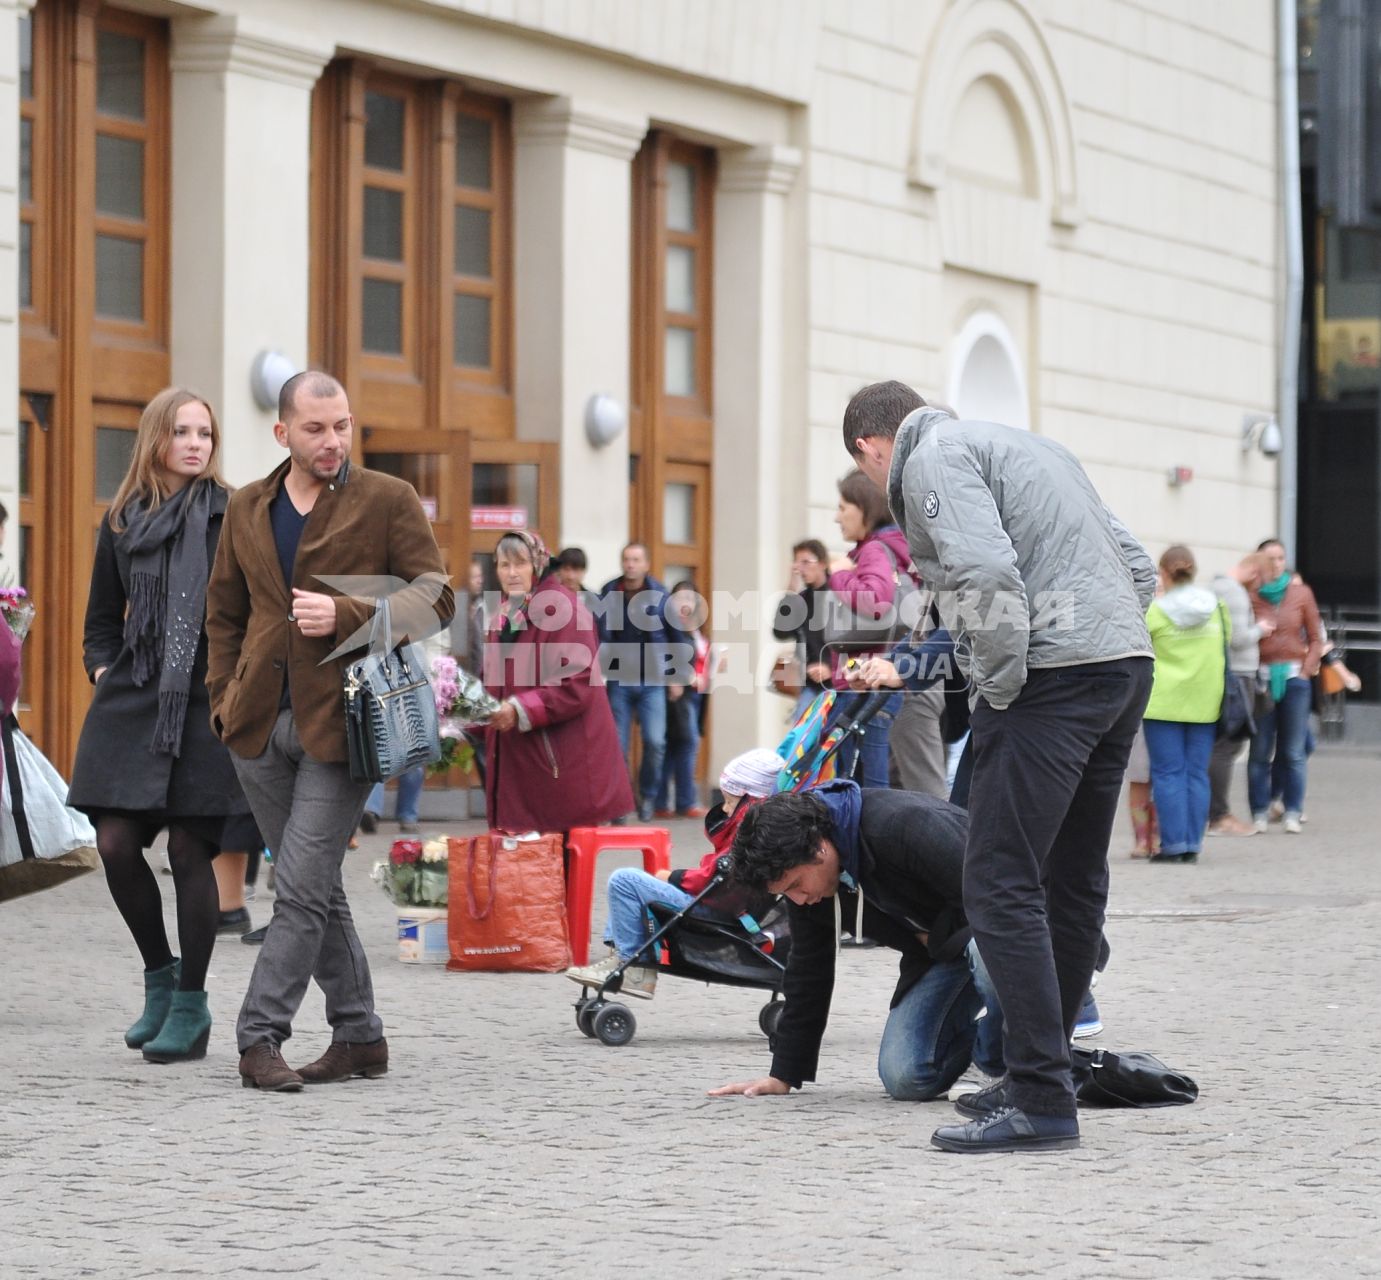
(536, 550)
(512, 619)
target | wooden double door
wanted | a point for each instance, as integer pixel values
(93, 293)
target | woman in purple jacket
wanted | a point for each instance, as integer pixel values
(866, 580)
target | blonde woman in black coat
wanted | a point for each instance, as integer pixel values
(147, 759)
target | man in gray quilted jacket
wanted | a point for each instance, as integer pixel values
(1047, 591)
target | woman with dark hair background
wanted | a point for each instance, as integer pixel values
(866, 581)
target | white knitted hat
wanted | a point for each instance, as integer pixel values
(754, 773)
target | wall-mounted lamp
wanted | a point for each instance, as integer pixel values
(268, 373)
(1262, 430)
(605, 419)
(1178, 477)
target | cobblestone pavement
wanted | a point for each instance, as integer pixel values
(504, 1143)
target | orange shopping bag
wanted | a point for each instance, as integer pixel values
(507, 904)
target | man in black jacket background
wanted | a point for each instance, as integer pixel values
(898, 857)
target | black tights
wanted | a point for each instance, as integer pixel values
(134, 887)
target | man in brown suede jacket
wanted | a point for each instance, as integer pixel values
(275, 677)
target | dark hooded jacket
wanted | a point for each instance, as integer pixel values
(904, 853)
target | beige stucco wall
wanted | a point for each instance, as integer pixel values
(1098, 179)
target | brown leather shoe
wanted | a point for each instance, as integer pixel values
(342, 1061)
(262, 1067)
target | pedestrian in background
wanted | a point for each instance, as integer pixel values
(866, 580)
(553, 759)
(686, 700)
(799, 618)
(1189, 628)
(633, 636)
(1233, 588)
(147, 760)
(1290, 657)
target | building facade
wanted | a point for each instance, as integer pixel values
(721, 215)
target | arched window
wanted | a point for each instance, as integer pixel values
(987, 381)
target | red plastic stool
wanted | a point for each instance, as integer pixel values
(584, 845)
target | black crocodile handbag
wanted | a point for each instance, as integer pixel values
(391, 724)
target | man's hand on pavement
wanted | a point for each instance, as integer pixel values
(765, 1087)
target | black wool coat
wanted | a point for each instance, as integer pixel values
(115, 766)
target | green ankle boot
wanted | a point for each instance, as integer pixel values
(159, 985)
(185, 1033)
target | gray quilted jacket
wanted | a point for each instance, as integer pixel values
(1030, 568)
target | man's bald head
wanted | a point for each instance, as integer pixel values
(314, 383)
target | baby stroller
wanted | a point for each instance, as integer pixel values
(746, 951)
(750, 951)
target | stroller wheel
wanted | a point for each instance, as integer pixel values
(585, 1015)
(613, 1024)
(768, 1016)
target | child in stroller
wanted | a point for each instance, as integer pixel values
(747, 779)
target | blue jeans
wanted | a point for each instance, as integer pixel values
(649, 702)
(1281, 733)
(678, 765)
(872, 755)
(409, 793)
(935, 1032)
(629, 924)
(1179, 781)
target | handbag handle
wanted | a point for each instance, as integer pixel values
(383, 620)
(473, 903)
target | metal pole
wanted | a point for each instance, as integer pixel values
(1287, 406)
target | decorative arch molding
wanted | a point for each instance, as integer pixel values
(1000, 39)
(987, 372)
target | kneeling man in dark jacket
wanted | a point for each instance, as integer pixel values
(896, 856)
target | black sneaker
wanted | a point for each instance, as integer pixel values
(236, 921)
(369, 822)
(982, 1102)
(255, 938)
(1008, 1129)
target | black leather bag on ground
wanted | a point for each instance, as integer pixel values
(390, 714)
(1103, 1078)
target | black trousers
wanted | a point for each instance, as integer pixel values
(1047, 773)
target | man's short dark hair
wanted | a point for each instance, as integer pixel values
(878, 410)
(4, 514)
(1270, 542)
(313, 382)
(571, 558)
(778, 835)
(812, 546)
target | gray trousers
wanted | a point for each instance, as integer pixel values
(306, 811)
(1225, 753)
(917, 747)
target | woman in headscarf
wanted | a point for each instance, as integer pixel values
(553, 753)
(147, 760)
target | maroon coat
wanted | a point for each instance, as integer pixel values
(566, 770)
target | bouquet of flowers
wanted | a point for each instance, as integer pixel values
(461, 703)
(18, 609)
(415, 874)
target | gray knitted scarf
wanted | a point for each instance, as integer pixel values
(167, 600)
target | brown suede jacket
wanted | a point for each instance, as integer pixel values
(363, 523)
(1298, 636)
